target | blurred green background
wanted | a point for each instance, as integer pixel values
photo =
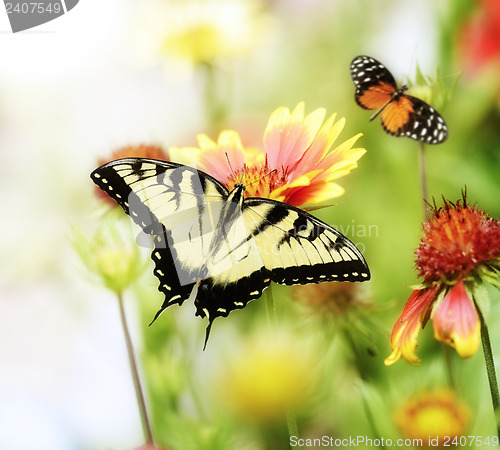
(111, 74)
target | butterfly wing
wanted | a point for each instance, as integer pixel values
(374, 84)
(411, 117)
(283, 244)
(178, 205)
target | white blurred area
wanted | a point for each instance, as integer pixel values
(70, 92)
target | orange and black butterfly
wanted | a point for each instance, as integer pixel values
(402, 115)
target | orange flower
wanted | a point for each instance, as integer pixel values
(461, 245)
(332, 299)
(296, 165)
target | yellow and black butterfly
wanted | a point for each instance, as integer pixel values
(218, 247)
(401, 114)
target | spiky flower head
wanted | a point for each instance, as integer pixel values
(459, 251)
(458, 239)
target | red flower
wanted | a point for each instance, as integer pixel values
(480, 37)
(461, 244)
(457, 239)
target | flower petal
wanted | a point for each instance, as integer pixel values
(214, 157)
(186, 155)
(320, 145)
(414, 316)
(317, 192)
(344, 152)
(307, 189)
(456, 322)
(288, 136)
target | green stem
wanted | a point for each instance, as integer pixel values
(291, 419)
(423, 177)
(363, 376)
(141, 402)
(215, 111)
(490, 370)
(272, 320)
(291, 423)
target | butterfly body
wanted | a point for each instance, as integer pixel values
(401, 114)
(218, 246)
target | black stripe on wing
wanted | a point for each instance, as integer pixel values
(110, 177)
(166, 271)
(308, 238)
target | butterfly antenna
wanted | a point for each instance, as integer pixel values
(232, 171)
(380, 110)
(263, 176)
(229, 164)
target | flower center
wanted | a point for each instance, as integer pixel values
(259, 180)
(457, 239)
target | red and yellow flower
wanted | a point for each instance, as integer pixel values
(296, 164)
(460, 248)
(433, 415)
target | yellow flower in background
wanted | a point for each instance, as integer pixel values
(296, 165)
(202, 31)
(265, 380)
(433, 415)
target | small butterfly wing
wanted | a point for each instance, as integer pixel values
(411, 117)
(374, 84)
